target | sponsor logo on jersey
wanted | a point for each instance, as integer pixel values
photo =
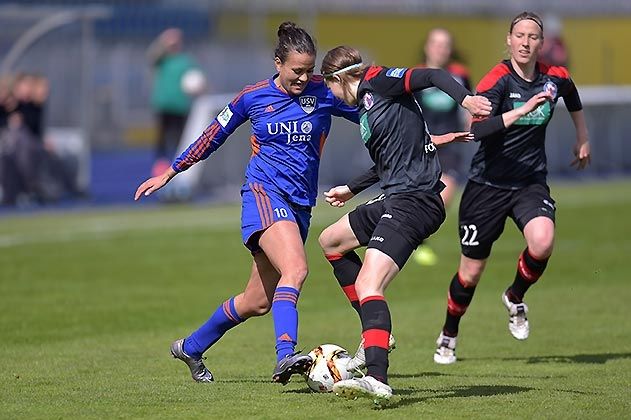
(514, 95)
(307, 103)
(364, 128)
(551, 89)
(397, 72)
(224, 116)
(270, 108)
(538, 116)
(368, 100)
(295, 132)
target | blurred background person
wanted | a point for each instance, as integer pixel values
(176, 80)
(443, 116)
(554, 51)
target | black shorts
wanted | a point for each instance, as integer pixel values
(484, 209)
(397, 224)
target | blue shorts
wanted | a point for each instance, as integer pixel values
(261, 207)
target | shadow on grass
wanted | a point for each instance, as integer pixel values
(466, 375)
(453, 392)
(597, 359)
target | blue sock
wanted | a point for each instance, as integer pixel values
(224, 318)
(285, 317)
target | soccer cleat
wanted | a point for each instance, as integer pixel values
(367, 386)
(446, 350)
(358, 361)
(425, 256)
(292, 364)
(517, 323)
(199, 372)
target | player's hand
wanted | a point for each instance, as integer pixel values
(154, 184)
(478, 106)
(459, 137)
(582, 154)
(338, 196)
(534, 102)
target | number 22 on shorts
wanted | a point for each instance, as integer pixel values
(470, 235)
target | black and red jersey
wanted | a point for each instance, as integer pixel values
(515, 157)
(393, 128)
(442, 114)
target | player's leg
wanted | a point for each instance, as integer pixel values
(255, 300)
(534, 213)
(482, 215)
(410, 219)
(339, 241)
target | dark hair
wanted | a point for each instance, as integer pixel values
(339, 58)
(292, 38)
(526, 16)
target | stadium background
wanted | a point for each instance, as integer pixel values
(94, 57)
(91, 294)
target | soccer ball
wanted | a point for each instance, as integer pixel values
(329, 367)
(193, 82)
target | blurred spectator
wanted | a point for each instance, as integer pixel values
(176, 80)
(29, 166)
(554, 52)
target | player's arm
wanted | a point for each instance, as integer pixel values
(581, 149)
(341, 109)
(338, 196)
(417, 79)
(232, 116)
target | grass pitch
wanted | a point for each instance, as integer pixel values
(91, 301)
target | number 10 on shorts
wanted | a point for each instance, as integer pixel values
(280, 212)
(470, 233)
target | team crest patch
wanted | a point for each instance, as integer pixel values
(368, 100)
(397, 72)
(551, 88)
(307, 103)
(224, 116)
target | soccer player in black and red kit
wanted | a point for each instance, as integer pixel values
(508, 176)
(393, 129)
(443, 115)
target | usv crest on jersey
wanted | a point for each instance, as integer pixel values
(307, 103)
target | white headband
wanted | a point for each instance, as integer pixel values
(351, 67)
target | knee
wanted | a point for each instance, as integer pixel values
(295, 275)
(259, 308)
(328, 242)
(541, 244)
(470, 275)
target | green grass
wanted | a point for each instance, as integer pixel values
(91, 301)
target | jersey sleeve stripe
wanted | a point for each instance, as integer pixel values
(249, 88)
(492, 77)
(199, 148)
(556, 71)
(372, 72)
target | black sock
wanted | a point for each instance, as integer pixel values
(376, 327)
(346, 269)
(529, 270)
(458, 300)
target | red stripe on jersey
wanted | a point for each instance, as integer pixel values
(458, 69)
(491, 78)
(369, 298)
(350, 292)
(206, 138)
(256, 146)
(372, 72)
(376, 338)
(333, 257)
(249, 88)
(557, 71)
(408, 76)
(317, 78)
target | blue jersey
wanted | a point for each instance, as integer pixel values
(288, 134)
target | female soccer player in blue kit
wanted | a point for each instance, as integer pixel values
(291, 118)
